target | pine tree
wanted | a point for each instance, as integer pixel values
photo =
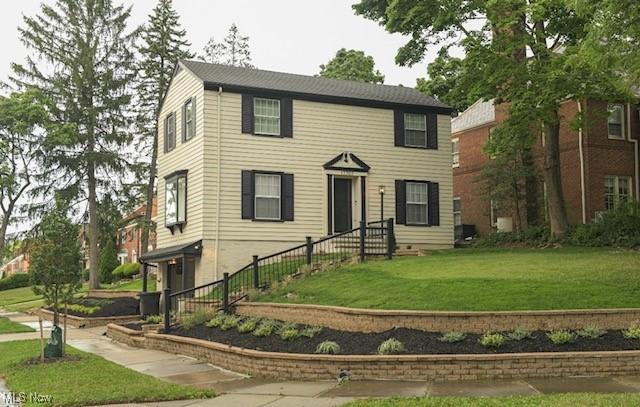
(164, 44)
(88, 77)
(233, 50)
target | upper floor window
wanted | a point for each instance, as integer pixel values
(616, 190)
(188, 120)
(175, 199)
(266, 113)
(170, 132)
(615, 121)
(415, 130)
(417, 203)
(455, 152)
(457, 212)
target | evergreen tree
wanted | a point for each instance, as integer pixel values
(108, 260)
(163, 45)
(233, 50)
(352, 65)
(88, 77)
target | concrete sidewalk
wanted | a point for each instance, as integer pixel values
(239, 390)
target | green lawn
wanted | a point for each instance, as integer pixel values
(555, 400)
(476, 280)
(8, 327)
(132, 285)
(87, 380)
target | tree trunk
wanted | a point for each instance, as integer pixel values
(94, 281)
(555, 197)
(531, 190)
(150, 192)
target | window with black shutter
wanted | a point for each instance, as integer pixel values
(188, 119)
(169, 132)
(267, 116)
(417, 203)
(267, 196)
(415, 129)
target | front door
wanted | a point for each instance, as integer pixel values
(342, 205)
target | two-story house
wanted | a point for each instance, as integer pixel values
(129, 235)
(599, 161)
(252, 161)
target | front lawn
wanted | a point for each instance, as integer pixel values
(478, 280)
(551, 400)
(7, 326)
(131, 285)
(87, 379)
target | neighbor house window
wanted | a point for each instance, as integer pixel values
(170, 132)
(415, 130)
(615, 121)
(266, 113)
(616, 191)
(494, 212)
(189, 121)
(417, 203)
(455, 152)
(457, 212)
(267, 196)
(175, 199)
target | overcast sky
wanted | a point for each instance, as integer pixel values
(285, 35)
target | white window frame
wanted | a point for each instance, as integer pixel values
(189, 123)
(617, 179)
(457, 212)
(493, 212)
(455, 153)
(181, 199)
(425, 203)
(424, 116)
(610, 108)
(170, 129)
(256, 116)
(256, 196)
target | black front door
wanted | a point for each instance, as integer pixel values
(341, 205)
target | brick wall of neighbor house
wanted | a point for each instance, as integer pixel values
(129, 238)
(19, 264)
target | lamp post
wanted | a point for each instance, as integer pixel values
(381, 191)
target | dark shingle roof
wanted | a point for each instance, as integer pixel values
(231, 76)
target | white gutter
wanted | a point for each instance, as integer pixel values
(583, 195)
(635, 151)
(219, 165)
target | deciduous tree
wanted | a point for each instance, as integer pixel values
(352, 65)
(234, 50)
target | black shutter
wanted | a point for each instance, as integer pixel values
(193, 116)
(286, 117)
(401, 202)
(432, 131)
(184, 122)
(398, 126)
(287, 197)
(434, 204)
(166, 121)
(247, 114)
(247, 194)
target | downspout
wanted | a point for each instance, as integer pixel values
(635, 151)
(583, 195)
(219, 165)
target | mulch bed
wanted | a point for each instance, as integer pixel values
(415, 341)
(109, 307)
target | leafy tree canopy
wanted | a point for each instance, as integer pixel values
(233, 50)
(446, 81)
(352, 65)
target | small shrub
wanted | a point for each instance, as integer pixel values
(126, 270)
(633, 332)
(328, 348)
(18, 280)
(452, 337)
(310, 331)
(591, 331)
(199, 317)
(289, 334)
(248, 325)
(561, 337)
(82, 309)
(492, 340)
(285, 326)
(265, 328)
(215, 322)
(391, 346)
(519, 334)
(153, 319)
(229, 322)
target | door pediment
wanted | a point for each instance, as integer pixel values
(346, 161)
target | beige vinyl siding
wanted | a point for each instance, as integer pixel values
(187, 155)
(320, 132)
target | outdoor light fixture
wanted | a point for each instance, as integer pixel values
(381, 191)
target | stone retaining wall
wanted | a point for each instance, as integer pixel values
(368, 320)
(82, 322)
(401, 367)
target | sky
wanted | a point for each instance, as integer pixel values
(285, 35)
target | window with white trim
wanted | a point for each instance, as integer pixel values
(267, 196)
(616, 191)
(415, 130)
(455, 152)
(457, 212)
(494, 212)
(189, 120)
(175, 200)
(417, 203)
(170, 132)
(615, 121)
(266, 114)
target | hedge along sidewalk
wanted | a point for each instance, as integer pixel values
(85, 379)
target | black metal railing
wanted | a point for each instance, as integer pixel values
(368, 240)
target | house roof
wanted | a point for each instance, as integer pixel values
(166, 253)
(479, 113)
(311, 87)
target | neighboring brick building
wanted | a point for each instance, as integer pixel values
(599, 163)
(129, 237)
(18, 264)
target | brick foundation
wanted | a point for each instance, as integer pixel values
(367, 320)
(401, 367)
(81, 322)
